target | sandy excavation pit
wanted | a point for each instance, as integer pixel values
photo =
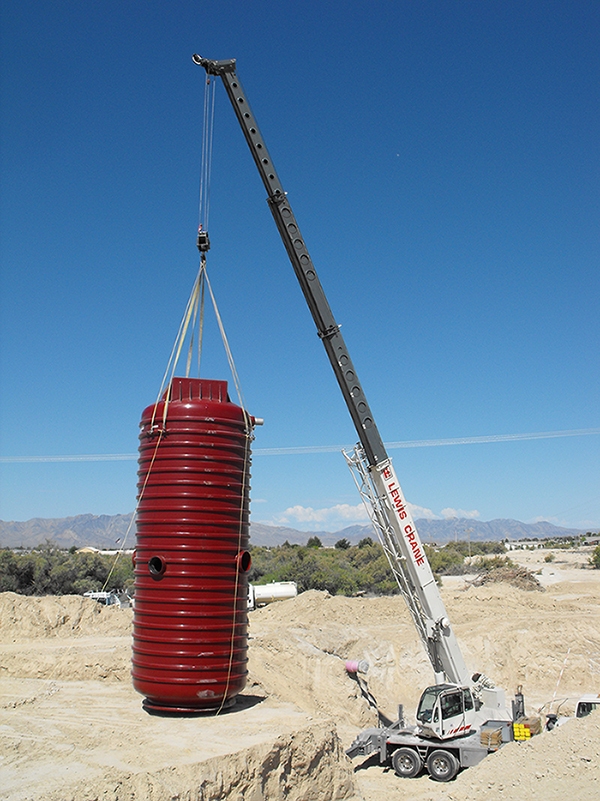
(72, 727)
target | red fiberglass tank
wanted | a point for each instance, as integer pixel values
(191, 560)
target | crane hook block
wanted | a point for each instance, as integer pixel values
(203, 241)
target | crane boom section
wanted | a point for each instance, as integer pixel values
(381, 490)
(391, 517)
(289, 230)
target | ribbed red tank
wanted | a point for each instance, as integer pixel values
(191, 559)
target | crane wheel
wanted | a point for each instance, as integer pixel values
(406, 762)
(442, 766)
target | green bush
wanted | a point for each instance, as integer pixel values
(48, 570)
(595, 558)
(446, 561)
(343, 544)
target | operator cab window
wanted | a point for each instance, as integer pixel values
(428, 700)
(452, 705)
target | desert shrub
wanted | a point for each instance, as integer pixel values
(340, 571)
(48, 570)
(475, 548)
(486, 563)
(446, 561)
(347, 570)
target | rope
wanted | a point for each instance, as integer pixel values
(237, 564)
(201, 322)
(191, 311)
(207, 150)
(249, 438)
(234, 373)
(133, 516)
(190, 308)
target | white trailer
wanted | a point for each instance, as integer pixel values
(263, 594)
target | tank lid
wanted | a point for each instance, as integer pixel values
(184, 389)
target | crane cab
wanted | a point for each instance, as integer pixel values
(587, 704)
(446, 710)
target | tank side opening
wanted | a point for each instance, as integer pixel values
(157, 566)
(244, 561)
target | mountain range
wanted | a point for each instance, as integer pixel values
(109, 532)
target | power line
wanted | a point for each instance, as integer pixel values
(415, 443)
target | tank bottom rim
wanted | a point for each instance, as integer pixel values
(180, 710)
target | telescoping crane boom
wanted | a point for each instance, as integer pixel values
(375, 474)
(468, 720)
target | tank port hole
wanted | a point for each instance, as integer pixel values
(244, 561)
(157, 567)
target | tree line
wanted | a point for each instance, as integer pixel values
(350, 569)
(345, 569)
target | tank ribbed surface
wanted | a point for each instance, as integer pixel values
(191, 559)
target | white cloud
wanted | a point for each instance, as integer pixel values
(341, 513)
(449, 513)
(421, 511)
(335, 517)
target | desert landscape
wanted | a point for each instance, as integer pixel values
(73, 727)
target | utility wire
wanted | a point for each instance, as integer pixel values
(415, 443)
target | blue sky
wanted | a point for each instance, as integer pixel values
(442, 161)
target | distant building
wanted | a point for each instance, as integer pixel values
(522, 545)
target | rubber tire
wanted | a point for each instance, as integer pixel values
(406, 762)
(442, 766)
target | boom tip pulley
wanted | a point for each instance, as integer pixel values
(214, 67)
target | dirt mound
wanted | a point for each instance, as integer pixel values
(564, 762)
(518, 577)
(29, 617)
(298, 650)
(548, 642)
